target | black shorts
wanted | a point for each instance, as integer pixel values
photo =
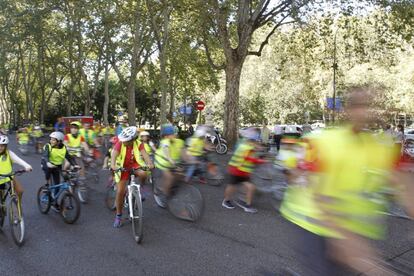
(237, 180)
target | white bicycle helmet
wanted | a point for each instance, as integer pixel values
(57, 135)
(128, 134)
(144, 133)
(4, 140)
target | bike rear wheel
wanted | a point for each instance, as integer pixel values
(44, 200)
(186, 203)
(82, 192)
(136, 216)
(16, 221)
(69, 208)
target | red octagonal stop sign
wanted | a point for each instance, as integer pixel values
(200, 105)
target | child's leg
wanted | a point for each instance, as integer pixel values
(167, 182)
(120, 193)
(250, 188)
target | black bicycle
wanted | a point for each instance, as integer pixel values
(15, 208)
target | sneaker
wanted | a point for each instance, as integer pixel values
(247, 208)
(227, 204)
(118, 221)
(161, 200)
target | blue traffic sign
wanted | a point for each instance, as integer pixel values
(330, 103)
(187, 110)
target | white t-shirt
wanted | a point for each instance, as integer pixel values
(17, 160)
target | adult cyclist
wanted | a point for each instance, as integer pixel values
(126, 154)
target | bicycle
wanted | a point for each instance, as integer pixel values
(79, 186)
(61, 195)
(91, 169)
(184, 201)
(15, 208)
(110, 193)
(133, 203)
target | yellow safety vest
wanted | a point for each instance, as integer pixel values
(176, 147)
(196, 146)
(122, 154)
(23, 137)
(238, 158)
(74, 145)
(56, 155)
(148, 149)
(161, 162)
(37, 133)
(6, 166)
(88, 136)
(349, 186)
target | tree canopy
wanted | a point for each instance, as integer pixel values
(250, 61)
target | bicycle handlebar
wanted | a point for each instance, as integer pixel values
(19, 172)
(130, 170)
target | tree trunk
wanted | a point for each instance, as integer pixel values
(71, 72)
(106, 95)
(172, 102)
(163, 75)
(134, 69)
(231, 109)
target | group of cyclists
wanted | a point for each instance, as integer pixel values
(336, 178)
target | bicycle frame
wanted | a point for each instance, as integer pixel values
(10, 191)
(65, 186)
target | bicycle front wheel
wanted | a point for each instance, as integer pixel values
(110, 196)
(43, 199)
(136, 216)
(2, 211)
(69, 208)
(16, 221)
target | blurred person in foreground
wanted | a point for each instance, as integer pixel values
(339, 209)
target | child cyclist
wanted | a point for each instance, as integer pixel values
(167, 156)
(240, 167)
(126, 154)
(54, 155)
(7, 159)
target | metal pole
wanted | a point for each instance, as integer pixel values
(185, 113)
(334, 80)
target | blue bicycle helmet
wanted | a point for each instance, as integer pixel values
(167, 130)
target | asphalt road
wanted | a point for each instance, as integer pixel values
(224, 242)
